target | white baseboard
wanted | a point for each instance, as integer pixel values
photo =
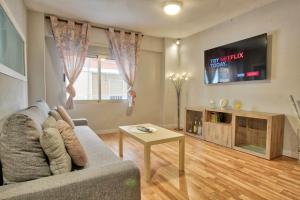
(170, 126)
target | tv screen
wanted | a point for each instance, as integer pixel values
(245, 60)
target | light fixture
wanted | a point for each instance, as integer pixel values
(172, 7)
(178, 79)
(178, 42)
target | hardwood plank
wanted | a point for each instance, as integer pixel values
(211, 172)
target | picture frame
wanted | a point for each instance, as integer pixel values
(8, 70)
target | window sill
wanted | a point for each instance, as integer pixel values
(99, 101)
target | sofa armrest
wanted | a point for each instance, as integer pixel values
(80, 122)
(118, 180)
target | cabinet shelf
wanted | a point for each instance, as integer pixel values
(218, 117)
(256, 133)
(192, 116)
(253, 148)
(259, 135)
(220, 123)
(251, 134)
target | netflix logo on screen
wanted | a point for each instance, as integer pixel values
(244, 60)
(222, 61)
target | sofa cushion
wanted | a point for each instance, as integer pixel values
(65, 116)
(21, 154)
(55, 114)
(72, 143)
(49, 123)
(97, 152)
(54, 147)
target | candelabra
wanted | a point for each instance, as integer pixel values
(178, 80)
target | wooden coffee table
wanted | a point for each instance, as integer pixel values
(160, 136)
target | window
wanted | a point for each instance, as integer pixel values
(100, 80)
(112, 85)
(87, 84)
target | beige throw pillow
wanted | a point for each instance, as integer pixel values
(49, 123)
(21, 153)
(55, 114)
(72, 143)
(65, 116)
(54, 147)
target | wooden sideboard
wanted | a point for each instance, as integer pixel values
(256, 133)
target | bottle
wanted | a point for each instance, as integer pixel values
(199, 131)
(195, 127)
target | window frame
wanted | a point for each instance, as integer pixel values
(99, 100)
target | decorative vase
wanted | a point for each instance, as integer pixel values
(237, 105)
(212, 104)
(223, 103)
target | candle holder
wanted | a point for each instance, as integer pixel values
(178, 79)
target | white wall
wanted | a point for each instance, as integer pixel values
(172, 64)
(107, 115)
(13, 92)
(281, 21)
(36, 56)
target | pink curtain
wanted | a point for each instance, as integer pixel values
(125, 49)
(72, 42)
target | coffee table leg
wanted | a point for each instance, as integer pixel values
(147, 162)
(120, 144)
(181, 154)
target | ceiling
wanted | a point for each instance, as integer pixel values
(147, 15)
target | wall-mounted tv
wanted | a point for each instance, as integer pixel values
(245, 60)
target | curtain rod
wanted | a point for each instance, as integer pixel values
(98, 27)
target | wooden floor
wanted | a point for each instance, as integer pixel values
(211, 172)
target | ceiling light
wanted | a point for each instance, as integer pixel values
(172, 7)
(178, 41)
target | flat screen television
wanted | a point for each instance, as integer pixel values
(245, 60)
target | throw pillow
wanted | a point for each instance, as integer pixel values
(43, 107)
(53, 146)
(49, 123)
(21, 154)
(55, 114)
(72, 143)
(65, 116)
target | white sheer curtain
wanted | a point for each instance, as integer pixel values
(125, 49)
(72, 42)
